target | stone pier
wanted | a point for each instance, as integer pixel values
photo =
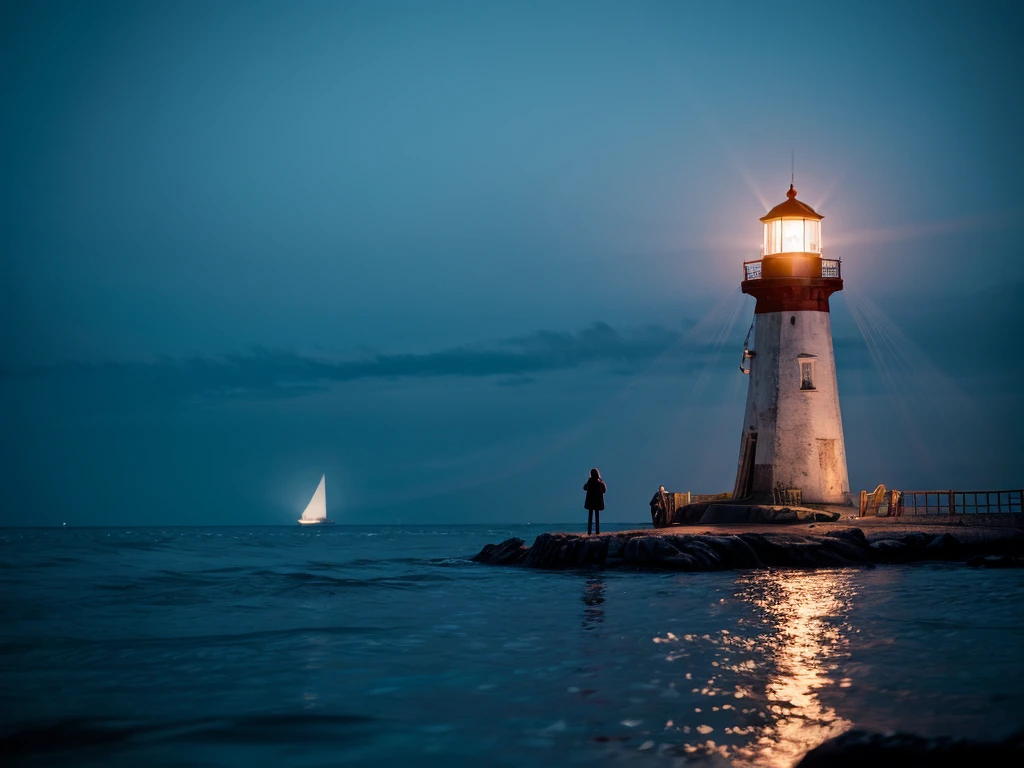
(861, 542)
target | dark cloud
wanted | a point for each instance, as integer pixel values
(917, 343)
(282, 373)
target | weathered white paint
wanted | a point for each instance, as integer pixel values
(799, 432)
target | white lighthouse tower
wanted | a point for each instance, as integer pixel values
(792, 429)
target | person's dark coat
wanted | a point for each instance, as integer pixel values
(659, 508)
(595, 489)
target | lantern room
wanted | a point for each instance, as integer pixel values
(791, 227)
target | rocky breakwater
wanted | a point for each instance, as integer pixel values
(855, 749)
(837, 547)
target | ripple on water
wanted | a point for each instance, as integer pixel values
(220, 639)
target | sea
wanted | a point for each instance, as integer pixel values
(339, 646)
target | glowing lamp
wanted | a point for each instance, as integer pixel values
(791, 227)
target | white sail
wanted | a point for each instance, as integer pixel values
(316, 510)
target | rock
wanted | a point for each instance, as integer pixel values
(768, 550)
(725, 514)
(485, 554)
(579, 553)
(548, 551)
(616, 547)
(662, 548)
(690, 513)
(648, 550)
(732, 514)
(854, 536)
(596, 550)
(733, 551)
(854, 554)
(824, 516)
(784, 515)
(995, 561)
(917, 540)
(890, 551)
(855, 749)
(632, 550)
(702, 553)
(705, 552)
(944, 546)
(509, 552)
(804, 555)
(826, 557)
(677, 540)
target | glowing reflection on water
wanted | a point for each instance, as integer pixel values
(593, 600)
(807, 632)
(766, 674)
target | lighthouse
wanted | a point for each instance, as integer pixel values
(792, 428)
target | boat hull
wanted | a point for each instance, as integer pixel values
(323, 521)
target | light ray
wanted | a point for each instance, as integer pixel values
(992, 221)
(823, 198)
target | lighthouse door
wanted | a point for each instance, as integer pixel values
(745, 477)
(831, 474)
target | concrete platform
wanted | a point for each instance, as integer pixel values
(966, 528)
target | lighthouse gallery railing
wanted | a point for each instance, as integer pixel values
(829, 268)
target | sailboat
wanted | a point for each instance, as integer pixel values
(316, 511)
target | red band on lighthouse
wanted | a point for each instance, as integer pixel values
(791, 294)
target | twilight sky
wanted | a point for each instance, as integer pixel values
(455, 254)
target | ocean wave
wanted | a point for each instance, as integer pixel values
(401, 581)
(366, 562)
(65, 643)
(453, 562)
(92, 735)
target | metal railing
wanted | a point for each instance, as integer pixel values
(829, 268)
(957, 502)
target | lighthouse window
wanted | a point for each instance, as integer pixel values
(812, 236)
(772, 237)
(792, 235)
(806, 374)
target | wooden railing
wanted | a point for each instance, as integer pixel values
(897, 503)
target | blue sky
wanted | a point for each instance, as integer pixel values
(454, 254)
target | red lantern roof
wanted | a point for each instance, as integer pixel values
(792, 209)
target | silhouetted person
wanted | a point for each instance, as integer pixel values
(595, 489)
(659, 508)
